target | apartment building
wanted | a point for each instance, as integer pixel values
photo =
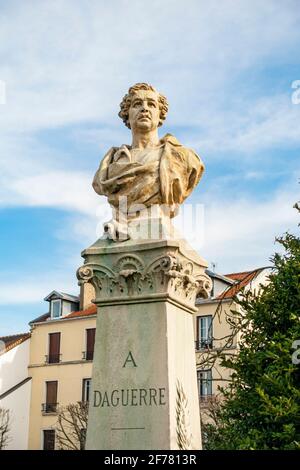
(213, 332)
(61, 359)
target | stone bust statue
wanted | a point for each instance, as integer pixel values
(150, 171)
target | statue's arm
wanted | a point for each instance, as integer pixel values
(195, 170)
(101, 174)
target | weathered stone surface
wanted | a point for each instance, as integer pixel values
(144, 390)
(144, 373)
(127, 272)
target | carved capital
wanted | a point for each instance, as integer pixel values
(130, 277)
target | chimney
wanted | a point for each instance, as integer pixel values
(87, 295)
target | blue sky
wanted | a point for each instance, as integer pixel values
(227, 68)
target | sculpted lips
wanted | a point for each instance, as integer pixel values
(143, 117)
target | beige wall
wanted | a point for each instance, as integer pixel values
(69, 373)
(221, 328)
(219, 312)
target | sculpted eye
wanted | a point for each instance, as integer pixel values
(152, 104)
(136, 104)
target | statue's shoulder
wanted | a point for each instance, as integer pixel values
(174, 142)
(171, 139)
(111, 152)
(109, 155)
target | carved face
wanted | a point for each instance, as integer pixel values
(144, 110)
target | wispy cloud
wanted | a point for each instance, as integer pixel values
(240, 234)
(29, 289)
(78, 68)
(251, 127)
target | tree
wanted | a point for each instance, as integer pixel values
(4, 428)
(71, 426)
(261, 406)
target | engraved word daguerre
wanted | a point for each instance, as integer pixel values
(152, 171)
(151, 396)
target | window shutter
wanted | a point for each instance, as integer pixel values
(90, 343)
(51, 396)
(49, 439)
(54, 347)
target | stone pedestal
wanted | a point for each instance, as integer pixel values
(144, 387)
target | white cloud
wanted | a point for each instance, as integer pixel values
(64, 190)
(240, 234)
(32, 174)
(71, 61)
(248, 127)
(34, 290)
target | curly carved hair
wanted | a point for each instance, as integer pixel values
(126, 102)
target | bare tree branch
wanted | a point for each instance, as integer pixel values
(4, 428)
(71, 426)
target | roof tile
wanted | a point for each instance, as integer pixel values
(92, 310)
(243, 279)
(13, 340)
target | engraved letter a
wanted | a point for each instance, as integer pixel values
(129, 359)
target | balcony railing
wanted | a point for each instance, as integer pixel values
(49, 407)
(88, 355)
(52, 358)
(205, 344)
(207, 398)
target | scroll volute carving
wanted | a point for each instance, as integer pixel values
(130, 277)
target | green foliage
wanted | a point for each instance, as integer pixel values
(261, 407)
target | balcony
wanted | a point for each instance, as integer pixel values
(207, 401)
(49, 408)
(207, 398)
(52, 358)
(88, 355)
(203, 345)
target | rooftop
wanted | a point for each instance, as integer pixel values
(61, 295)
(242, 279)
(91, 310)
(13, 340)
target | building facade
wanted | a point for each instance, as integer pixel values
(213, 332)
(61, 358)
(15, 388)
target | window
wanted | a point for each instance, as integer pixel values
(54, 348)
(66, 308)
(90, 343)
(51, 397)
(49, 439)
(204, 378)
(204, 332)
(55, 308)
(86, 389)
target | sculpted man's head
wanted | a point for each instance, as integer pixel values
(143, 108)
(151, 171)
